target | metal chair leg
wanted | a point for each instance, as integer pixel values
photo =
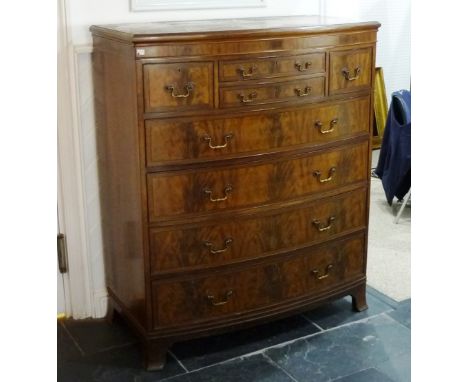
(403, 205)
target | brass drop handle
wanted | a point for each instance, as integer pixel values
(333, 123)
(188, 88)
(209, 192)
(250, 98)
(322, 228)
(303, 67)
(357, 72)
(227, 138)
(227, 296)
(247, 73)
(331, 174)
(317, 275)
(303, 93)
(209, 245)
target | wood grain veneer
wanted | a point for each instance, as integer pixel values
(178, 141)
(269, 67)
(234, 171)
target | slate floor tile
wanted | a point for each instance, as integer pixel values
(121, 364)
(341, 311)
(402, 313)
(207, 351)
(249, 369)
(346, 350)
(382, 297)
(376, 349)
(369, 375)
(97, 335)
(66, 347)
(397, 368)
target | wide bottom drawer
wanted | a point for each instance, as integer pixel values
(305, 272)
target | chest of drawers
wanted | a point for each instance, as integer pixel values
(234, 164)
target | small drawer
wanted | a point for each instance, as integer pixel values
(350, 70)
(196, 140)
(245, 238)
(304, 89)
(303, 273)
(201, 191)
(270, 67)
(178, 86)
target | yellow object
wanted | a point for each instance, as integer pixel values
(380, 104)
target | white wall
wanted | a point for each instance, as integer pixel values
(393, 46)
(84, 13)
(393, 39)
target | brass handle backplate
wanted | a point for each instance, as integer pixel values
(331, 174)
(322, 228)
(357, 72)
(227, 296)
(317, 275)
(209, 192)
(331, 128)
(247, 73)
(303, 93)
(209, 244)
(303, 67)
(188, 88)
(250, 98)
(227, 138)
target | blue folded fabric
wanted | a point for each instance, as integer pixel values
(394, 166)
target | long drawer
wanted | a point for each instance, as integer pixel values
(237, 239)
(199, 191)
(192, 140)
(310, 271)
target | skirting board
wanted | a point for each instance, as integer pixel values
(100, 300)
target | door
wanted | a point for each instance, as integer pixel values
(77, 284)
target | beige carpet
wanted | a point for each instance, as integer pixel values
(389, 250)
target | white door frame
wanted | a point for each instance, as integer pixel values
(77, 281)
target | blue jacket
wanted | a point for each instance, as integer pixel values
(394, 166)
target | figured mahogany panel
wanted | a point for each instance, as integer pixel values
(184, 85)
(323, 268)
(234, 292)
(350, 70)
(269, 67)
(236, 239)
(192, 140)
(177, 193)
(307, 88)
(217, 295)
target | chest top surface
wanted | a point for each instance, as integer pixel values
(229, 28)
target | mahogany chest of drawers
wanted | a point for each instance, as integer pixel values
(234, 164)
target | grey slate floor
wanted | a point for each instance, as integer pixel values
(331, 343)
